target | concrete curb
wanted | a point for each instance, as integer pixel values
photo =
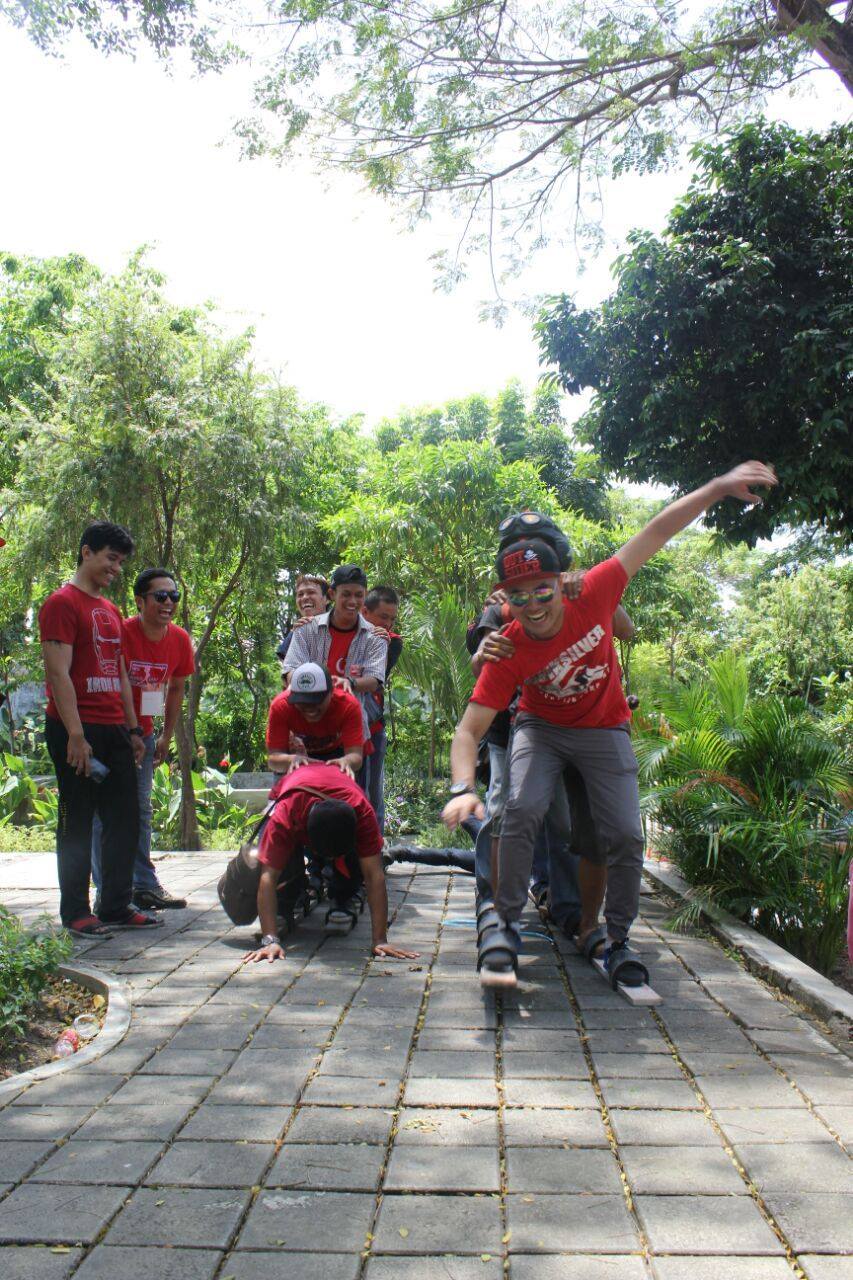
(115, 1027)
(763, 957)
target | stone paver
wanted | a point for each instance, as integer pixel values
(107, 1262)
(250, 1125)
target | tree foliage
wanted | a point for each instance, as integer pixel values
(511, 109)
(159, 423)
(731, 333)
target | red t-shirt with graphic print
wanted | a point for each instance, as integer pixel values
(339, 649)
(341, 727)
(573, 679)
(287, 828)
(93, 628)
(151, 664)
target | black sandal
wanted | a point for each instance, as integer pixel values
(589, 947)
(624, 967)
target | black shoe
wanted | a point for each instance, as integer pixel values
(157, 900)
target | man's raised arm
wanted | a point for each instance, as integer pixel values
(679, 514)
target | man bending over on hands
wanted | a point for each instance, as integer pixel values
(321, 807)
(572, 711)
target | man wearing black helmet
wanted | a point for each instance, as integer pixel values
(566, 826)
(572, 711)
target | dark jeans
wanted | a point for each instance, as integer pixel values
(115, 801)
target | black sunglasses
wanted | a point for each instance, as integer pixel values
(162, 596)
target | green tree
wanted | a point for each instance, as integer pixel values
(37, 297)
(426, 519)
(162, 424)
(797, 629)
(731, 334)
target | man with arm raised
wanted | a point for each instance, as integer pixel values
(572, 712)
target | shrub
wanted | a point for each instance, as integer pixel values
(28, 958)
(749, 794)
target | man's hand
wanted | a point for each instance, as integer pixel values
(460, 808)
(387, 952)
(341, 682)
(137, 746)
(382, 633)
(297, 762)
(497, 597)
(495, 647)
(161, 750)
(79, 753)
(737, 483)
(344, 766)
(572, 583)
(296, 745)
(272, 951)
(300, 622)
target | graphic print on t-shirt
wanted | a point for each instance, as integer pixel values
(566, 676)
(106, 638)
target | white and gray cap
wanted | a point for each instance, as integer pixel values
(310, 683)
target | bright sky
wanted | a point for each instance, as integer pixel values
(107, 154)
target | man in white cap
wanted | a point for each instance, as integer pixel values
(315, 720)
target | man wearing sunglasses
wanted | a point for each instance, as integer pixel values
(572, 711)
(159, 657)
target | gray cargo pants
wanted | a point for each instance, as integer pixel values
(605, 760)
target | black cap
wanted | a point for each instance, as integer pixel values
(531, 524)
(527, 558)
(349, 573)
(331, 829)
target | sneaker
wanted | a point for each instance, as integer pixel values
(133, 919)
(158, 899)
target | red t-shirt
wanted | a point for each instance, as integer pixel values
(339, 648)
(287, 828)
(341, 726)
(151, 665)
(573, 679)
(93, 628)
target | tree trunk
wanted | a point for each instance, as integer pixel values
(834, 41)
(431, 743)
(190, 833)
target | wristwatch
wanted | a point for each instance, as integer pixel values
(136, 731)
(462, 789)
(268, 939)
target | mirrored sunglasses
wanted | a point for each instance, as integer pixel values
(540, 595)
(162, 596)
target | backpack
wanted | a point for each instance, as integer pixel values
(238, 885)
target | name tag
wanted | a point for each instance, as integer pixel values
(153, 702)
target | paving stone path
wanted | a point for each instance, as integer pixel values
(330, 1118)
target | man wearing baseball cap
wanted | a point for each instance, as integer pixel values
(320, 807)
(314, 720)
(572, 711)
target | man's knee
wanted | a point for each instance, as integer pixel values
(624, 847)
(520, 820)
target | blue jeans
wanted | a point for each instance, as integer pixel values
(554, 862)
(144, 875)
(373, 774)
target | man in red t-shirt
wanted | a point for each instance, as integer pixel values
(314, 720)
(572, 711)
(320, 806)
(92, 735)
(159, 657)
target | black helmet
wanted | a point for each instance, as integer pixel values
(530, 524)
